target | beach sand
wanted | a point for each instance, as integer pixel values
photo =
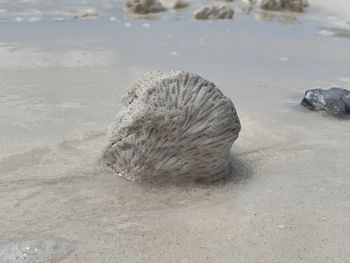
(287, 199)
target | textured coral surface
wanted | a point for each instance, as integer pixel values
(173, 125)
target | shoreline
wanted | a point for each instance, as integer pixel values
(329, 15)
(61, 84)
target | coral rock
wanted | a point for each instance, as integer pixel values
(173, 125)
(214, 11)
(144, 7)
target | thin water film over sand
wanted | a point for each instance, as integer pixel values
(35, 251)
(286, 200)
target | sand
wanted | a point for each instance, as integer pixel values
(287, 199)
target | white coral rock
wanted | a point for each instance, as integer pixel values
(214, 11)
(173, 125)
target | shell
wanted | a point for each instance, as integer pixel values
(173, 125)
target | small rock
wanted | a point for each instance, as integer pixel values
(179, 4)
(280, 5)
(173, 125)
(214, 11)
(175, 4)
(335, 101)
(144, 7)
(89, 13)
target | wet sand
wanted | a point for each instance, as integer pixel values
(287, 199)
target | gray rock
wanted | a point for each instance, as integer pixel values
(144, 7)
(214, 11)
(335, 101)
(173, 125)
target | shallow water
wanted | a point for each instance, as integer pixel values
(330, 16)
(287, 199)
(35, 251)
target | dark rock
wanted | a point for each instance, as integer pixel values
(335, 101)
